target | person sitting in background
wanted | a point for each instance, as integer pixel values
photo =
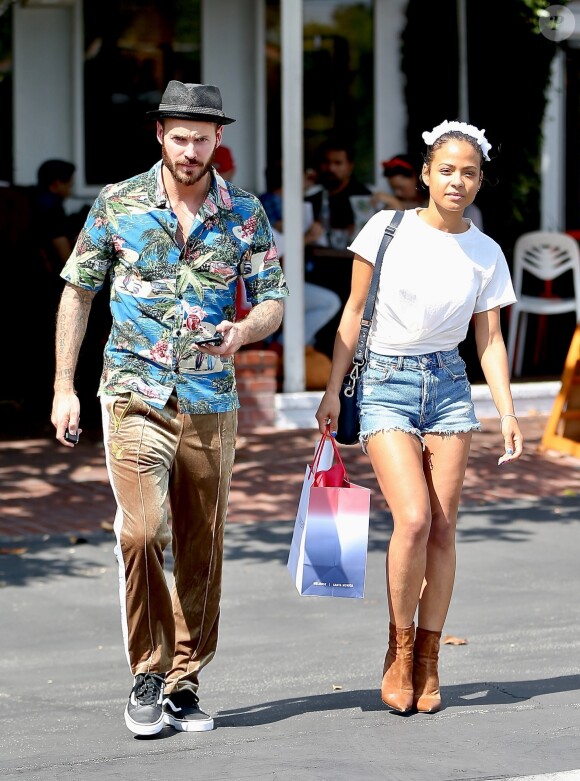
(271, 198)
(272, 202)
(51, 236)
(405, 187)
(320, 303)
(331, 205)
(52, 225)
(223, 162)
(408, 191)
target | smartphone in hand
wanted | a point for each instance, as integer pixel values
(214, 340)
(72, 438)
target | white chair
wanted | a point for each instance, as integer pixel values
(545, 255)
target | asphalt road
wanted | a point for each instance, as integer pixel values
(294, 687)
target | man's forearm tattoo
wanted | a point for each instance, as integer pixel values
(71, 324)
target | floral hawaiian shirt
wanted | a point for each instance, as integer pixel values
(164, 296)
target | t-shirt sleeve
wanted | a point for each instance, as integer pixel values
(497, 289)
(367, 242)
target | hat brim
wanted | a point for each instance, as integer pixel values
(219, 120)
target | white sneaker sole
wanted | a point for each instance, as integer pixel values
(143, 729)
(181, 725)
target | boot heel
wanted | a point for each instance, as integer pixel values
(397, 685)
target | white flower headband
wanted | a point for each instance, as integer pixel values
(469, 130)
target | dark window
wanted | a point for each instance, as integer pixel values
(132, 49)
(572, 136)
(338, 78)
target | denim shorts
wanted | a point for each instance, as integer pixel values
(420, 394)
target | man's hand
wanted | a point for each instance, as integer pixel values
(314, 233)
(233, 340)
(66, 410)
(262, 321)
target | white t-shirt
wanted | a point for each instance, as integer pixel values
(431, 283)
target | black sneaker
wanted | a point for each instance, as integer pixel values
(144, 711)
(181, 710)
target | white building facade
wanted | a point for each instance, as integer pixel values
(60, 111)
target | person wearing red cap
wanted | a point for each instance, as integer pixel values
(224, 163)
(406, 192)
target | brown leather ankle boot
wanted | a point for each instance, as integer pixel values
(397, 686)
(427, 697)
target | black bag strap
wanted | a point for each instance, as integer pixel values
(359, 357)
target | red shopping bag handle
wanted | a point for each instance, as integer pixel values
(336, 476)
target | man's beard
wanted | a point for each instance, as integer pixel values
(185, 178)
(329, 180)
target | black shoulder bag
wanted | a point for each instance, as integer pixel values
(348, 427)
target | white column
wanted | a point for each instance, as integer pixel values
(261, 94)
(553, 150)
(292, 177)
(228, 60)
(42, 88)
(390, 108)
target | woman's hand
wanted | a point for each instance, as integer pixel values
(513, 439)
(327, 412)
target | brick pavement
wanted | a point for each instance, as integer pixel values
(47, 489)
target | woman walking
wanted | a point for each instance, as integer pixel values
(417, 417)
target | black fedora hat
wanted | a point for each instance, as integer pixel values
(191, 101)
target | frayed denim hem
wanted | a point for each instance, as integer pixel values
(451, 432)
(366, 435)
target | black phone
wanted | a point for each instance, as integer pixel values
(216, 339)
(73, 438)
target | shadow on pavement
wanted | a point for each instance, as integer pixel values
(34, 558)
(499, 521)
(476, 695)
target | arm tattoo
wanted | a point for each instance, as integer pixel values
(71, 325)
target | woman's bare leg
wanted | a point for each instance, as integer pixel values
(446, 462)
(397, 460)
(422, 490)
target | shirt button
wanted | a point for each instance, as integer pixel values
(178, 333)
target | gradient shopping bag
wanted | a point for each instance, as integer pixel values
(328, 553)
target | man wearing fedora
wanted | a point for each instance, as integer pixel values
(173, 242)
